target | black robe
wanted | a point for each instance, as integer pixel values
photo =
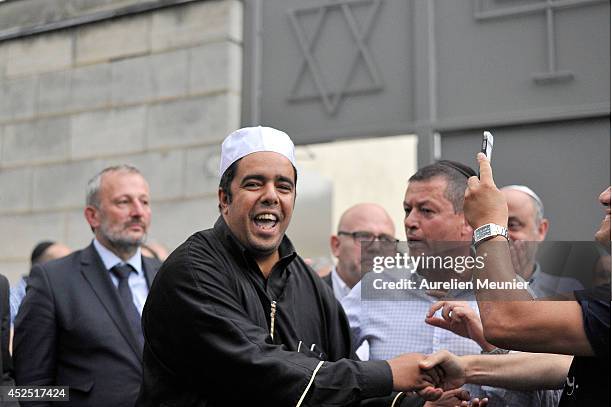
(207, 326)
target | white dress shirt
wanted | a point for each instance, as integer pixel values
(137, 281)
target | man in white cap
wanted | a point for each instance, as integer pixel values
(527, 227)
(236, 317)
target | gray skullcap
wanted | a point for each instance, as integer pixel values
(250, 140)
(526, 190)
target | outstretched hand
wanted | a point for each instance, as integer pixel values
(450, 398)
(408, 376)
(460, 318)
(453, 370)
(475, 403)
(484, 203)
(453, 375)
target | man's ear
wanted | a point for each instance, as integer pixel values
(92, 216)
(223, 201)
(334, 244)
(543, 229)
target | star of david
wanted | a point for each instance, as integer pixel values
(331, 97)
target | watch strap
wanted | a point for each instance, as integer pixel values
(489, 231)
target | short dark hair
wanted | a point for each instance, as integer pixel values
(456, 176)
(39, 251)
(228, 176)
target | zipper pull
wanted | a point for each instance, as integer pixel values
(272, 316)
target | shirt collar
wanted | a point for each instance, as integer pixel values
(110, 259)
(341, 289)
(536, 273)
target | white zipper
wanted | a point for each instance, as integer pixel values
(272, 317)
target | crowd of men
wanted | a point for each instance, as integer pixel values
(234, 316)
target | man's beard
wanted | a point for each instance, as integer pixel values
(120, 242)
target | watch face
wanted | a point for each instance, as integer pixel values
(483, 232)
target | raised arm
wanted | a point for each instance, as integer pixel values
(510, 318)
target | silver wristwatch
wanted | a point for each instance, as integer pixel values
(489, 231)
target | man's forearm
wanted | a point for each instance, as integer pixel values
(518, 371)
(500, 309)
(498, 268)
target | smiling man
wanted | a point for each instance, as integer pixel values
(235, 316)
(79, 324)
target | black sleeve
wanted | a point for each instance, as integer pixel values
(196, 326)
(596, 318)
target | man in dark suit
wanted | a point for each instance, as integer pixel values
(79, 324)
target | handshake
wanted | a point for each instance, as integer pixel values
(433, 378)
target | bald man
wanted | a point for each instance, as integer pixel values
(527, 226)
(359, 227)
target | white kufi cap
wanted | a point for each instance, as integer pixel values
(250, 140)
(526, 190)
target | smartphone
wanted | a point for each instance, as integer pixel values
(487, 144)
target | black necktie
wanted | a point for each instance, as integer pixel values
(122, 272)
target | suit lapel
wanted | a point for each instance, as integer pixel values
(328, 279)
(150, 268)
(98, 278)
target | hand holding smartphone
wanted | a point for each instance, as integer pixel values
(487, 146)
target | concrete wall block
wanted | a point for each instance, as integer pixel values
(170, 72)
(51, 191)
(21, 97)
(105, 132)
(163, 171)
(40, 53)
(132, 80)
(41, 141)
(78, 234)
(90, 87)
(174, 222)
(54, 92)
(16, 187)
(202, 171)
(190, 122)
(215, 66)
(196, 23)
(5, 102)
(3, 58)
(13, 270)
(26, 231)
(232, 119)
(235, 21)
(113, 39)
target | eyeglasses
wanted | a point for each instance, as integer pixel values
(368, 237)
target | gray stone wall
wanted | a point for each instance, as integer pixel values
(158, 90)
